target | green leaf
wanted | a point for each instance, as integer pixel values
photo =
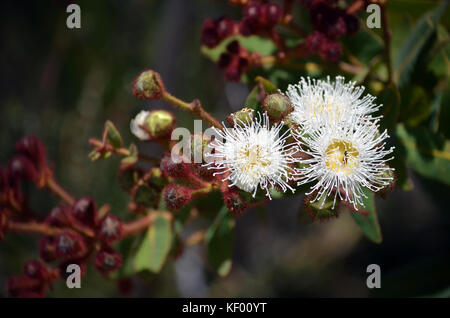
(95, 155)
(445, 293)
(252, 43)
(131, 159)
(415, 106)
(426, 153)
(155, 247)
(416, 43)
(444, 112)
(113, 135)
(268, 86)
(369, 223)
(390, 98)
(255, 98)
(219, 240)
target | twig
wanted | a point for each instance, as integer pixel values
(195, 108)
(58, 190)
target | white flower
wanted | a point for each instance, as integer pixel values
(137, 122)
(345, 158)
(316, 102)
(253, 155)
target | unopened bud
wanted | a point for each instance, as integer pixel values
(387, 175)
(321, 210)
(277, 106)
(35, 269)
(70, 246)
(59, 216)
(110, 229)
(152, 125)
(33, 148)
(243, 116)
(85, 211)
(148, 85)
(108, 260)
(26, 287)
(173, 166)
(160, 123)
(176, 196)
(234, 201)
(20, 167)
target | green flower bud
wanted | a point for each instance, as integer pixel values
(321, 210)
(160, 123)
(148, 85)
(244, 115)
(152, 125)
(277, 106)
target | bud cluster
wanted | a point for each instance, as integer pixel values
(329, 21)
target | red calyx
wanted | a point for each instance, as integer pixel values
(110, 229)
(108, 260)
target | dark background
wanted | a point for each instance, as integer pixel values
(62, 85)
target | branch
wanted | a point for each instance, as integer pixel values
(195, 108)
(58, 190)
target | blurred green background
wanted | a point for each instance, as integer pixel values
(62, 85)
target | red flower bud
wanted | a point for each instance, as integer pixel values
(233, 73)
(35, 269)
(175, 169)
(252, 11)
(337, 29)
(224, 60)
(331, 51)
(110, 229)
(47, 248)
(85, 211)
(59, 216)
(225, 27)
(314, 41)
(249, 26)
(70, 246)
(20, 167)
(26, 287)
(234, 202)
(351, 23)
(108, 260)
(209, 33)
(33, 148)
(233, 47)
(272, 13)
(176, 196)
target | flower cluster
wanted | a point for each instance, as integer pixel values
(338, 133)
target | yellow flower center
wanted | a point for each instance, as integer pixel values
(330, 109)
(341, 157)
(253, 157)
